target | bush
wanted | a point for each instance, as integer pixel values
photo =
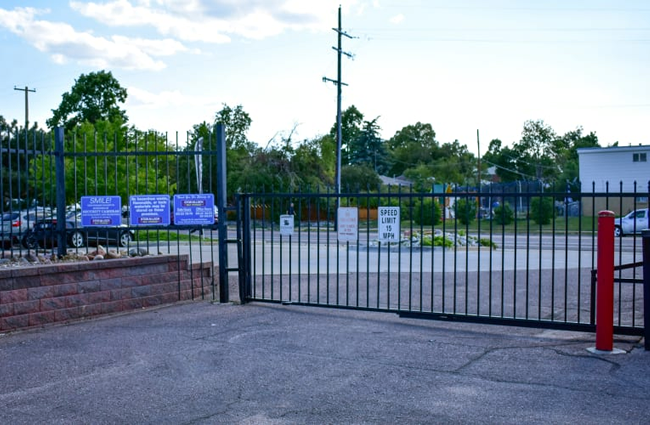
(429, 240)
(465, 210)
(503, 214)
(426, 211)
(541, 210)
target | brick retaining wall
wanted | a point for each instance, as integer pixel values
(39, 295)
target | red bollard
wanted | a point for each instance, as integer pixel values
(605, 282)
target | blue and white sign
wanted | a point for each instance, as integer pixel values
(149, 210)
(101, 211)
(194, 209)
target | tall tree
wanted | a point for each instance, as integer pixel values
(237, 122)
(539, 147)
(94, 97)
(351, 126)
(412, 146)
(368, 148)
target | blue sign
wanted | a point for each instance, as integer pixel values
(101, 211)
(194, 209)
(149, 210)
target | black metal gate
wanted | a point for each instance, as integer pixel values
(491, 263)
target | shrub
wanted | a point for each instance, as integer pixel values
(541, 210)
(487, 242)
(465, 210)
(503, 214)
(426, 211)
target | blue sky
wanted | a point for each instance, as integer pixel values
(462, 65)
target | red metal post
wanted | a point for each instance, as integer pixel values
(605, 282)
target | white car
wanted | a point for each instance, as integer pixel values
(634, 222)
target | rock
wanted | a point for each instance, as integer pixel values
(138, 252)
(112, 254)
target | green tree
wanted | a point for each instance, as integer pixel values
(541, 210)
(505, 161)
(427, 211)
(356, 178)
(101, 172)
(411, 147)
(540, 149)
(368, 149)
(314, 161)
(503, 214)
(351, 125)
(454, 163)
(465, 210)
(94, 97)
(237, 123)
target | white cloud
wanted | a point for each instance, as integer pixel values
(217, 21)
(397, 19)
(64, 44)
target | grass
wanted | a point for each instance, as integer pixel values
(173, 236)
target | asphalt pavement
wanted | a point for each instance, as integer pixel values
(203, 363)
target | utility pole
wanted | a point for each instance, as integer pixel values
(338, 84)
(26, 90)
(478, 144)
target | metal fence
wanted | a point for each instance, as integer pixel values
(514, 254)
(522, 258)
(44, 176)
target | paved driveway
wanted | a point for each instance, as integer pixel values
(200, 363)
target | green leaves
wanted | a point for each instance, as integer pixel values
(94, 97)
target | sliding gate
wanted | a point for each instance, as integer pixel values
(458, 256)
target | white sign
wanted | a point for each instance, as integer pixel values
(348, 224)
(389, 224)
(286, 225)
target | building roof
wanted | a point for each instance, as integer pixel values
(395, 181)
(629, 148)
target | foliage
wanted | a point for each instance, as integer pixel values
(427, 211)
(368, 149)
(412, 147)
(503, 214)
(355, 178)
(487, 242)
(351, 121)
(465, 210)
(237, 122)
(123, 175)
(541, 210)
(94, 97)
(541, 155)
(439, 240)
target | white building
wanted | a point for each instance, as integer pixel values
(615, 170)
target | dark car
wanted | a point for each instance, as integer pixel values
(44, 235)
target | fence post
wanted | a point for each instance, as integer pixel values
(646, 288)
(59, 167)
(605, 282)
(220, 134)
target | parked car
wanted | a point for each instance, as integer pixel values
(634, 222)
(43, 235)
(15, 224)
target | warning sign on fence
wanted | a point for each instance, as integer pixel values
(286, 225)
(348, 222)
(389, 224)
